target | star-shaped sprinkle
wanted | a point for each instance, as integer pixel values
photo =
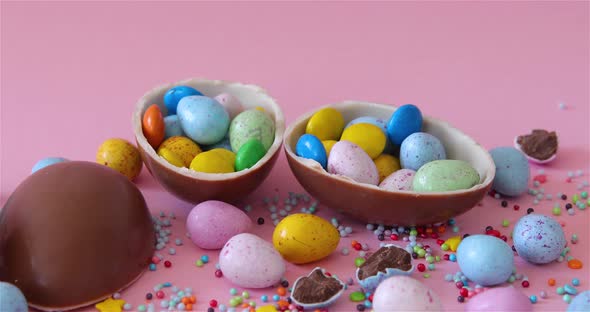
(110, 305)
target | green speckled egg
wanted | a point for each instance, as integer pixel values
(445, 175)
(251, 124)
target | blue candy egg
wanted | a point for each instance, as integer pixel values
(382, 124)
(485, 259)
(172, 126)
(538, 238)
(420, 148)
(203, 119)
(407, 119)
(12, 299)
(580, 303)
(174, 95)
(48, 161)
(221, 144)
(309, 146)
(512, 171)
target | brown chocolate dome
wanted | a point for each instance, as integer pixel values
(74, 233)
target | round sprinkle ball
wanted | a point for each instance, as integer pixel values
(538, 238)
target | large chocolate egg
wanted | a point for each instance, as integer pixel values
(74, 233)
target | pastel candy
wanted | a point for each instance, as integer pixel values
(386, 165)
(420, 148)
(203, 119)
(538, 238)
(174, 95)
(183, 147)
(400, 180)
(232, 105)
(251, 124)
(349, 160)
(445, 175)
(12, 299)
(500, 299)
(172, 126)
(581, 303)
(485, 259)
(512, 171)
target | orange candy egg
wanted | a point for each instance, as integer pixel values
(153, 126)
(574, 264)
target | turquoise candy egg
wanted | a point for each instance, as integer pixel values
(407, 119)
(512, 171)
(251, 124)
(485, 259)
(12, 299)
(420, 148)
(48, 161)
(382, 124)
(581, 303)
(310, 147)
(538, 238)
(172, 126)
(174, 95)
(203, 119)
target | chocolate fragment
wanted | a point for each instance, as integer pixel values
(316, 288)
(386, 257)
(540, 144)
(74, 233)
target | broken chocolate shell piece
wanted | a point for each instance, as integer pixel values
(388, 261)
(540, 146)
(316, 290)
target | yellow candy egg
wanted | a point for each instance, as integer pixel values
(183, 147)
(326, 124)
(303, 238)
(120, 155)
(328, 145)
(367, 136)
(227, 154)
(386, 165)
(212, 162)
(171, 157)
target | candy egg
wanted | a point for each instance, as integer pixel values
(369, 137)
(249, 154)
(328, 144)
(326, 124)
(381, 123)
(349, 160)
(212, 223)
(212, 162)
(403, 293)
(48, 161)
(183, 148)
(419, 149)
(500, 299)
(251, 262)
(153, 126)
(251, 124)
(512, 171)
(407, 119)
(225, 153)
(232, 105)
(386, 165)
(485, 259)
(203, 119)
(120, 155)
(400, 180)
(581, 303)
(174, 95)
(225, 144)
(12, 299)
(538, 238)
(445, 175)
(172, 126)
(303, 238)
(310, 147)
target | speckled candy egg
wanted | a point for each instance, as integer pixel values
(485, 259)
(403, 293)
(400, 180)
(512, 171)
(538, 238)
(303, 238)
(120, 155)
(407, 119)
(48, 161)
(581, 303)
(420, 148)
(203, 119)
(12, 299)
(232, 105)
(251, 124)
(499, 299)
(172, 126)
(174, 95)
(251, 262)
(212, 223)
(445, 175)
(349, 160)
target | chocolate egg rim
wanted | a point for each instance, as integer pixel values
(290, 140)
(325, 303)
(263, 99)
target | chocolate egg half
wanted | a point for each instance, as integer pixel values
(73, 234)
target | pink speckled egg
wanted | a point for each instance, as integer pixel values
(400, 180)
(348, 159)
(232, 105)
(403, 293)
(212, 223)
(499, 299)
(251, 262)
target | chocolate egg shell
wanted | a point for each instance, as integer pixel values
(387, 261)
(316, 290)
(73, 234)
(540, 146)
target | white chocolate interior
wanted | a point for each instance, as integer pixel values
(251, 96)
(457, 144)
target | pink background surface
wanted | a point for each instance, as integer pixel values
(71, 74)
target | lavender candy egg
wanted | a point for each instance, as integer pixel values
(500, 299)
(348, 159)
(12, 299)
(580, 303)
(212, 223)
(251, 262)
(420, 148)
(485, 259)
(538, 238)
(403, 293)
(232, 105)
(512, 171)
(400, 180)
